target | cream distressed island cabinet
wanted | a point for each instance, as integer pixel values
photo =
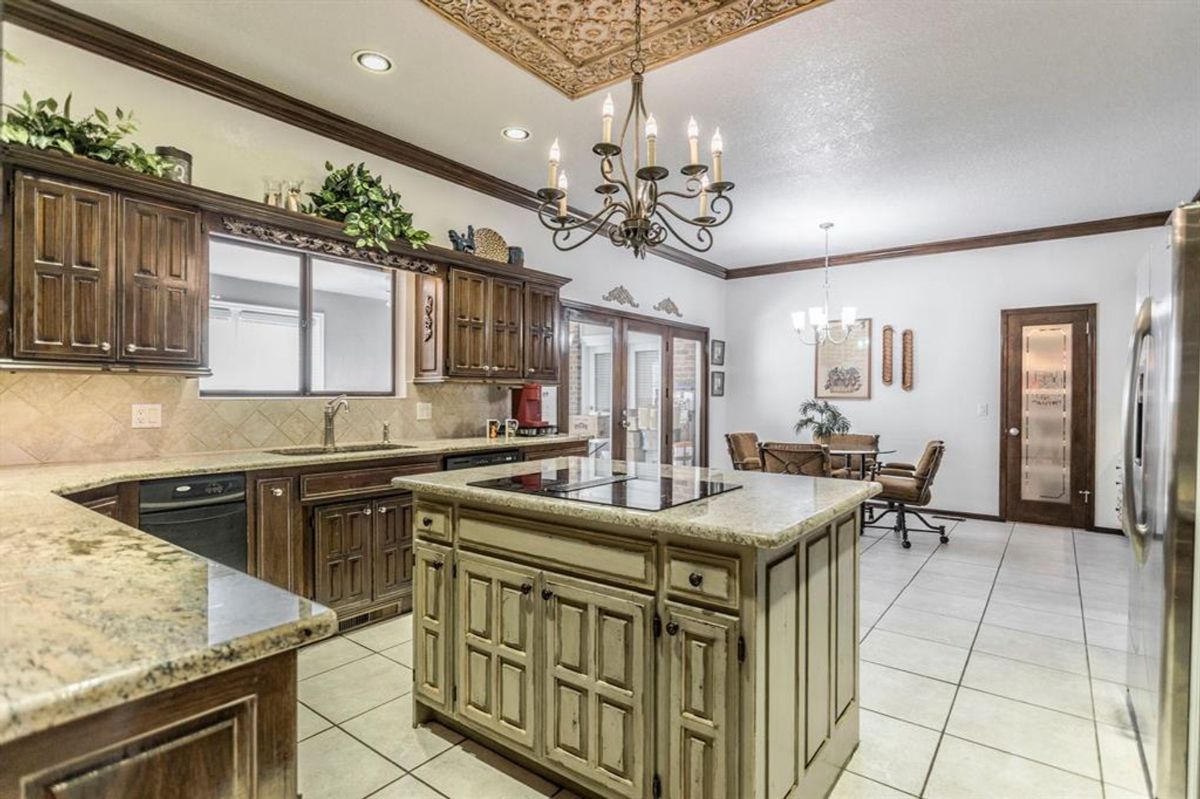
(706, 650)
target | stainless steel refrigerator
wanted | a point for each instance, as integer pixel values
(1158, 513)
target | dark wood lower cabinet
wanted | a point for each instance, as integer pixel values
(228, 736)
(277, 534)
(391, 549)
(342, 546)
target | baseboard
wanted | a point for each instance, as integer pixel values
(957, 514)
(1109, 530)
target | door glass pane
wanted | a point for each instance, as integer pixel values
(643, 387)
(1046, 413)
(687, 393)
(254, 319)
(351, 328)
(590, 384)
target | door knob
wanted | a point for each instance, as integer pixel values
(547, 594)
(382, 509)
(277, 492)
(105, 346)
(131, 348)
(426, 521)
(366, 511)
(695, 578)
(526, 588)
(672, 628)
(1014, 431)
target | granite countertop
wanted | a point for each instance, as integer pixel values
(94, 613)
(768, 511)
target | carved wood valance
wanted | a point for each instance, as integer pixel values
(326, 245)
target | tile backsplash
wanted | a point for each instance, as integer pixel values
(49, 418)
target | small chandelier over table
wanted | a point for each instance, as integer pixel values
(818, 328)
(637, 213)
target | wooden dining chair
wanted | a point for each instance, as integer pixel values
(786, 458)
(743, 451)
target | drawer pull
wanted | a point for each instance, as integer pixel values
(131, 348)
(383, 509)
(105, 346)
(526, 588)
(277, 492)
(366, 511)
(427, 521)
(547, 594)
(695, 578)
(672, 628)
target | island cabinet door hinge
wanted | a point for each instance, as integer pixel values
(741, 649)
(454, 693)
(656, 787)
(657, 625)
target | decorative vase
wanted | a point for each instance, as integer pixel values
(178, 162)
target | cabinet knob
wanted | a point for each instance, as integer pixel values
(672, 628)
(526, 588)
(105, 346)
(383, 509)
(131, 348)
(547, 594)
(277, 492)
(530, 370)
(695, 578)
(426, 522)
(437, 565)
(366, 511)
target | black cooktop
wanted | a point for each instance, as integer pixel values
(599, 483)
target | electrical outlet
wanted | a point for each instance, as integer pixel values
(146, 416)
(424, 411)
(981, 409)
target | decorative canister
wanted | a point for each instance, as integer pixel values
(179, 164)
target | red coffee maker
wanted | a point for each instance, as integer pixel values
(527, 409)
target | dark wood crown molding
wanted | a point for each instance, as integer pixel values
(88, 33)
(1072, 230)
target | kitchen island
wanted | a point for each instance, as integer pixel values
(708, 648)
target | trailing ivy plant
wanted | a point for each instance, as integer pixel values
(824, 418)
(95, 136)
(371, 212)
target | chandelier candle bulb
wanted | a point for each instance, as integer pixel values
(651, 140)
(608, 118)
(562, 201)
(849, 315)
(693, 131)
(555, 155)
(718, 149)
(798, 321)
(703, 193)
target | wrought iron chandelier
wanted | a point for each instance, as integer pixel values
(636, 212)
(822, 327)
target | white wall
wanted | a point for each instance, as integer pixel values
(952, 302)
(235, 149)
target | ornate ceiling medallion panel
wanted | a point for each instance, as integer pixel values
(577, 46)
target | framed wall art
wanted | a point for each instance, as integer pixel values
(718, 384)
(843, 371)
(718, 352)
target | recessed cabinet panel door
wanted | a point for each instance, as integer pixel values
(818, 644)
(495, 646)
(468, 344)
(343, 555)
(64, 262)
(164, 298)
(431, 602)
(597, 673)
(278, 534)
(846, 616)
(541, 334)
(391, 555)
(700, 723)
(507, 333)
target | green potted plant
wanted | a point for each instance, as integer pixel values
(823, 418)
(371, 213)
(41, 125)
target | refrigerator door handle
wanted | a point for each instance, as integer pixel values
(1132, 514)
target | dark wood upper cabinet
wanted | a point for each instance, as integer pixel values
(342, 535)
(541, 333)
(469, 317)
(164, 297)
(64, 265)
(507, 303)
(392, 547)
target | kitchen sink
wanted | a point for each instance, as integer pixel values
(319, 450)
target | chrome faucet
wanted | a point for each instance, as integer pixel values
(331, 408)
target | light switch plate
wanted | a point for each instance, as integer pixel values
(146, 416)
(981, 409)
(424, 411)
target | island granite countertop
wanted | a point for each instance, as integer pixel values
(94, 613)
(768, 511)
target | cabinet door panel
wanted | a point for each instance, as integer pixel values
(64, 267)
(431, 630)
(541, 334)
(343, 555)
(468, 345)
(818, 582)
(846, 616)
(699, 716)
(597, 675)
(391, 555)
(507, 333)
(278, 538)
(164, 299)
(495, 646)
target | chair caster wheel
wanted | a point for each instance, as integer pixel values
(906, 544)
(945, 539)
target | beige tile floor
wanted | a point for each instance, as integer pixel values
(991, 669)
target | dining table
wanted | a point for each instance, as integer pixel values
(862, 455)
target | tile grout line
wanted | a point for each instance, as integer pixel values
(945, 724)
(874, 624)
(1091, 686)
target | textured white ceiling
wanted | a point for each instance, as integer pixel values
(900, 120)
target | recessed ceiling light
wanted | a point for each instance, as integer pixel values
(514, 133)
(372, 61)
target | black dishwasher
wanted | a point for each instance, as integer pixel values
(205, 515)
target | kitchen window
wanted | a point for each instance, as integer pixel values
(286, 323)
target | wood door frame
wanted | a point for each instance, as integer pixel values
(1089, 427)
(619, 321)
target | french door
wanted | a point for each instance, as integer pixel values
(1047, 438)
(635, 386)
